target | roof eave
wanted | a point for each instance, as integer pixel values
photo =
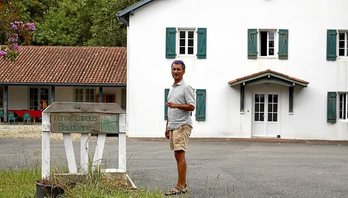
(123, 15)
(64, 84)
(270, 75)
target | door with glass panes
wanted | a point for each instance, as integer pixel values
(266, 115)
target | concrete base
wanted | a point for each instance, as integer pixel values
(110, 175)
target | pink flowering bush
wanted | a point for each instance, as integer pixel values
(19, 33)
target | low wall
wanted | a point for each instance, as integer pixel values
(24, 131)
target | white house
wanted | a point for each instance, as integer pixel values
(261, 68)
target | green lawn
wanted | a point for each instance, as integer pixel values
(22, 183)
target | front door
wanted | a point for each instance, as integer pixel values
(266, 115)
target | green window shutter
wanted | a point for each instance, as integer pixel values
(252, 43)
(200, 104)
(331, 45)
(170, 42)
(202, 43)
(331, 107)
(166, 92)
(283, 44)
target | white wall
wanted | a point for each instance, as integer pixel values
(227, 23)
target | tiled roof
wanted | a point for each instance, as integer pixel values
(269, 74)
(61, 65)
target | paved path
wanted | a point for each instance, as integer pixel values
(217, 168)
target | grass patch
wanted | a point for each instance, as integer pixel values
(22, 183)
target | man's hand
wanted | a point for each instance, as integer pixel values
(171, 105)
(184, 107)
(167, 134)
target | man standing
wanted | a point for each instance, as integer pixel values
(181, 102)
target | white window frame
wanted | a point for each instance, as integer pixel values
(343, 106)
(186, 30)
(345, 43)
(84, 94)
(275, 39)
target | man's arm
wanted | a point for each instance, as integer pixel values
(184, 107)
(167, 132)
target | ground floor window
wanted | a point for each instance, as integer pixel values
(38, 98)
(343, 110)
(84, 95)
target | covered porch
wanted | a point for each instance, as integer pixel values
(42, 75)
(24, 104)
(267, 102)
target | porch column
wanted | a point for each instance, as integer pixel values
(291, 99)
(5, 99)
(100, 94)
(242, 92)
(53, 95)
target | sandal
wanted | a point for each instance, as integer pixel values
(177, 190)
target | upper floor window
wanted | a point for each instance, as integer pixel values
(186, 41)
(336, 44)
(267, 39)
(343, 43)
(268, 43)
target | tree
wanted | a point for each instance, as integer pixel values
(83, 22)
(106, 29)
(13, 31)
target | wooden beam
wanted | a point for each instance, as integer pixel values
(122, 149)
(5, 101)
(291, 99)
(242, 96)
(69, 151)
(53, 95)
(45, 146)
(101, 94)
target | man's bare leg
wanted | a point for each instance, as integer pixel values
(182, 168)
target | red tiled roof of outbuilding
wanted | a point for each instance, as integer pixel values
(63, 65)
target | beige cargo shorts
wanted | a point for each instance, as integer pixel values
(179, 137)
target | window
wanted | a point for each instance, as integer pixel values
(267, 39)
(272, 108)
(38, 98)
(343, 43)
(268, 43)
(343, 110)
(187, 42)
(259, 112)
(84, 95)
(336, 44)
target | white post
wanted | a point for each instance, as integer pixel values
(99, 149)
(45, 146)
(69, 151)
(84, 152)
(122, 157)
